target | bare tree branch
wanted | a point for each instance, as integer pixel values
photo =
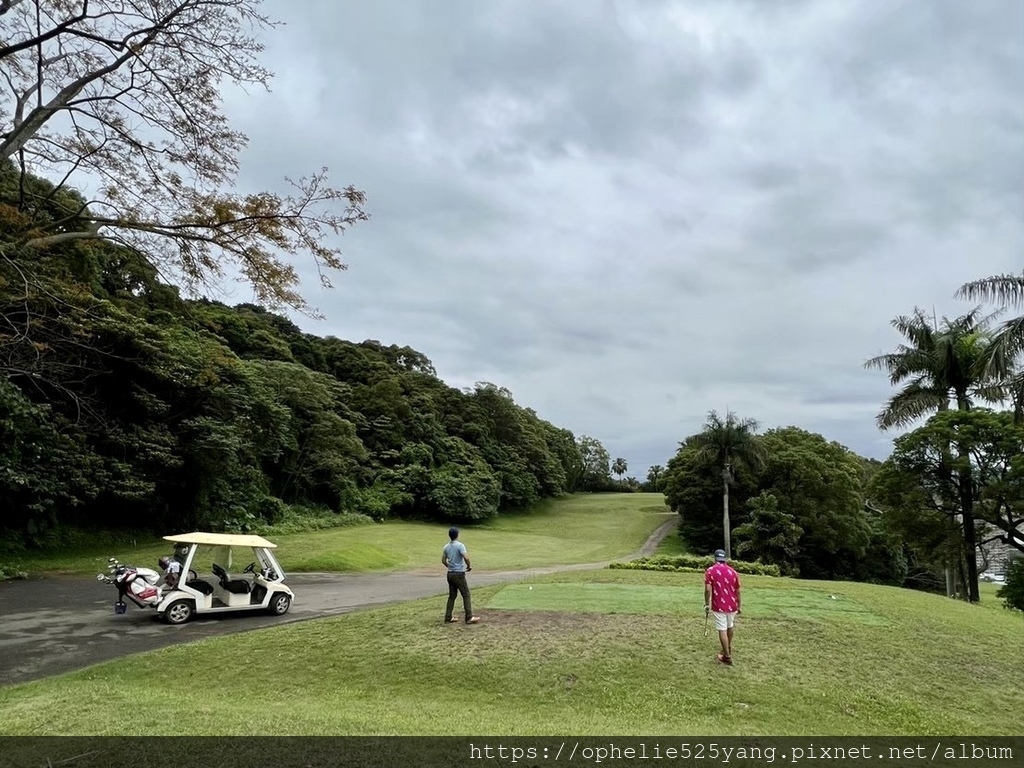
(137, 86)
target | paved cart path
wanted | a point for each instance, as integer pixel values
(54, 624)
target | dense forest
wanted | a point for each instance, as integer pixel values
(122, 404)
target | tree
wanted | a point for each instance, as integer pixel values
(819, 484)
(770, 535)
(619, 467)
(1008, 343)
(654, 477)
(1012, 592)
(727, 443)
(319, 454)
(562, 444)
(125, 97)
(991, 461)
(942, 364)
(932, 539)
(596, 474)
(692, 487)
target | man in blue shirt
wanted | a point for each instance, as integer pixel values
(455, 559)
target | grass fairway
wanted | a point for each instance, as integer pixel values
(583, 653)
(584, 528)
(673, 600)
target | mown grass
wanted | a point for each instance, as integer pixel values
(586, 653)
(582, 528)
(673, 545)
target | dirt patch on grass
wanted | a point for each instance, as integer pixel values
(530, 622)
(551, 634)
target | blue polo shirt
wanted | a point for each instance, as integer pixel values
(455, 552)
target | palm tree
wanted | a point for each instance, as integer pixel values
(1007, 344)
(620, 467)
(727, 444)
(942, 365)
(654, 475)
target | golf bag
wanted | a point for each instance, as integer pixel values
(136, 584)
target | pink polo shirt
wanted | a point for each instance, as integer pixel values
(725, 588)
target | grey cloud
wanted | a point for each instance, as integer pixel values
(842, 395)
(770, 176)
(561, 73)
(630, 214)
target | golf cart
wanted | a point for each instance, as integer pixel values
(206, 584)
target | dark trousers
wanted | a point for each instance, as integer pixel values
(457, 584)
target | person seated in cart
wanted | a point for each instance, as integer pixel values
(172, 571)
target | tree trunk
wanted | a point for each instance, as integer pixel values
(971, 549)
(725, 514)
(970, 535)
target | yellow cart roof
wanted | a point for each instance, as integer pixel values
(222, 539)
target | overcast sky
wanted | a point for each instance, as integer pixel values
(631, 213)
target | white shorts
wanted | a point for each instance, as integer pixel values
(724, 620)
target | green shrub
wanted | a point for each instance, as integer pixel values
(694, 564)
(67, 537)
(291, 518)
(9, 572)
(1012, 591)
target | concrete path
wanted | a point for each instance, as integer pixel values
(55, 624)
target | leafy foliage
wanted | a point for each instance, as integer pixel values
(129, 94)
(124, 405)
(596, 472)
(771, 535)
(798, 505)
(938, 364)
(819, 484)
(693, 488)
(1012, 591)
(924, 487)
(958, 362)
(1003, 354)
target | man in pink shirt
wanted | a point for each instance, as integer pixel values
(722, 598)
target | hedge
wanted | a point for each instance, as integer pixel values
(694, 564)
